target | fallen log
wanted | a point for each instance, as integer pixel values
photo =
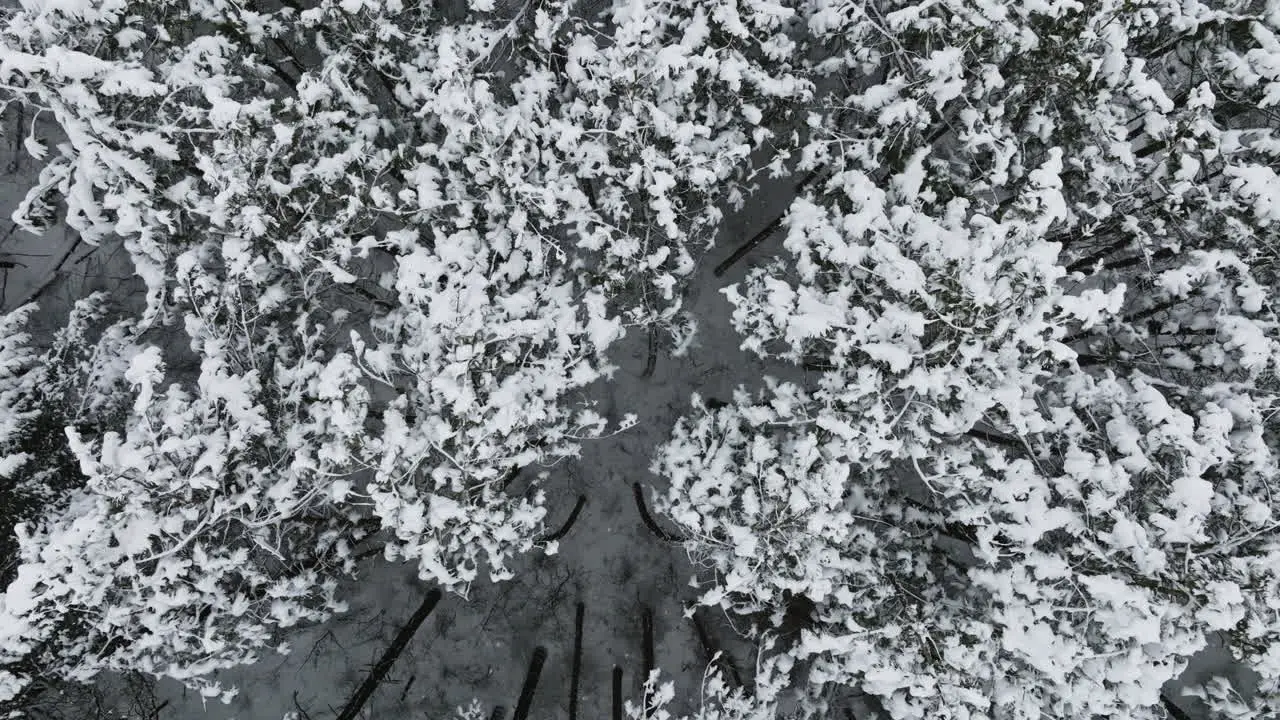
(651, 358)
(713, 651)
(564, 529)
(530, 684)
(617, 693)
(576, 669)
(393, 651)
(648, 519)
(650, 658)
(764, 234)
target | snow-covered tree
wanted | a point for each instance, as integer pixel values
(170, 537)
(386, 246)
(76, 381)
(1031, 473)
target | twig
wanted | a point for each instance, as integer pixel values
(405, 692)
(383, 666)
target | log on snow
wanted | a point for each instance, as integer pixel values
(564, 529)
(617, 693)
(383, 666)
(648, 519)
(530, 684)
(576, 669)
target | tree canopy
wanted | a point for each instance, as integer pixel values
(1023, 468)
